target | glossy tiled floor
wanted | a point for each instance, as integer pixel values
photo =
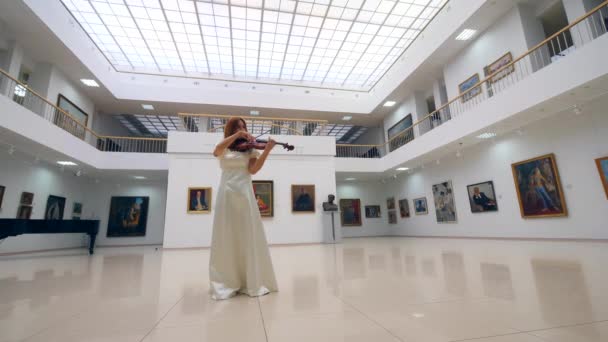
(368, 289)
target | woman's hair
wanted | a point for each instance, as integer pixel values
(232, 124)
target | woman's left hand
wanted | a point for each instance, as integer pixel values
(270, 144)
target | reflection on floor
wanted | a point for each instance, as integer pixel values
(366, 289)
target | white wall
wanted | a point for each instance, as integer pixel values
(369, 194)
(192, 165)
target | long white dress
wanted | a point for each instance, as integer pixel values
(240, 260)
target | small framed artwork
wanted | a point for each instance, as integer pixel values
(497, 64)
(2, 188)
(404, 208)
(602, 168)
(390, 203)
(27, 198)
(263, 191)
(24, 212)
(54, 208)
(350, 211)
(445, 208)
(199, 200)
(128, 216)
(303, 198)
(76, 211)
(392, 217)
(482, 197)
(538, 186)
(468, 84)
(372, 211)
(420, 206)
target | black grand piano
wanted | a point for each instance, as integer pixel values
(14, 227)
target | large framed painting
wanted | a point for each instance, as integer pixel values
(350, 211)
(404, 208)
(54, 208)
(445, 208)
(76, 113)
(128, 216)
(27, 198)
(199, 200)
(372, 211)
(390, 203)
(392, 217)
(400, 129)
(497, 64)
(539, 190)
(264, 196)
(482, 197)
(602, 168)
(468, 84)
(420, 206)
(303, 198)
(24, 212)
(2, 188)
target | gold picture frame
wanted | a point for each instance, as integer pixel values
(304, 202)
(538, 183)
(497, 64)
(602, 168)
(468, 84)
(194, 202)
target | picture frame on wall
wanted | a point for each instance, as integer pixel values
(199, 200)
(390, 203)
(2, 189)
(76, 211)
(75, 113)
(602, 168)
(420, 206)
(397, 129)
(128, 216)
(24, 212)
(263, 191)
(497, 65)
(392, 217)
(468, 84)
(303, 198)
(350, 212)
(27, 198)
(539, 189)
(404, 208)
(482, 197)
(55, 206)
(372, 211)
(445, 208)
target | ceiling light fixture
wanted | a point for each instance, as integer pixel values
(350, 179)
(347, 117)
(147, 106)
(466, 34)
(487, 135)
(66, 163)
(403, 168)
(139, 177)
(389, 103)
(89, 82)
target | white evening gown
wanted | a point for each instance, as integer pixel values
(240, 260)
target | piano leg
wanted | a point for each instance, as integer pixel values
(92, 242)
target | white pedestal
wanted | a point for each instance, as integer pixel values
(331, 227)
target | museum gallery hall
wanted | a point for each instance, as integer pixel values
(303, 170)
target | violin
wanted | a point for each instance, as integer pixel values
(243, 145)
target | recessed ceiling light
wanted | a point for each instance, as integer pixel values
(347, 117)
(254, 112)
(139, 177)
(89, 82)
(466, 34)
(486, 135)
(64, 163)
(147, 106)
(350, 179)
(403, 168)
(389, 103)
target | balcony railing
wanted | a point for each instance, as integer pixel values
(580, 32)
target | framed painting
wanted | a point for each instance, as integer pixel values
(392, 217)
(350, 211)
(303, 198)
(420, 206)
(482, 197)
(390, 203)
(468, 84)
(497, 64)
(76, 113)
(399, 128)
(602, 168)
(2, 188)
(76, 211)
(24, 212)
(128, 216)
(54, 208)
(199, 200)
(372, 211)
(27, 198)
(538, 186)
(445, 208)
(404, 208)
(264, 196)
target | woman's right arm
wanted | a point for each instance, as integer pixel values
(219, 149)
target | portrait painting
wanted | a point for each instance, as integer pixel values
(372, 211)
(27, 198)
(404, 208)
(350, 211)
(602, 168)
(482, 197)
(445, 208)
(303, 198)
(392, 217)
(538, 186)
(263, 191)
(420, 206)
(390, 203)
(54, 208)
(199, 200)
(24, 212)
(128, 216)
(468, 84)
(77, 209)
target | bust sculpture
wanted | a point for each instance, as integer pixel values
(330, 205)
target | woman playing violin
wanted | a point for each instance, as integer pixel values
(240, 259)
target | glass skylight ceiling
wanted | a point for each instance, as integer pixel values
(343, 44)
